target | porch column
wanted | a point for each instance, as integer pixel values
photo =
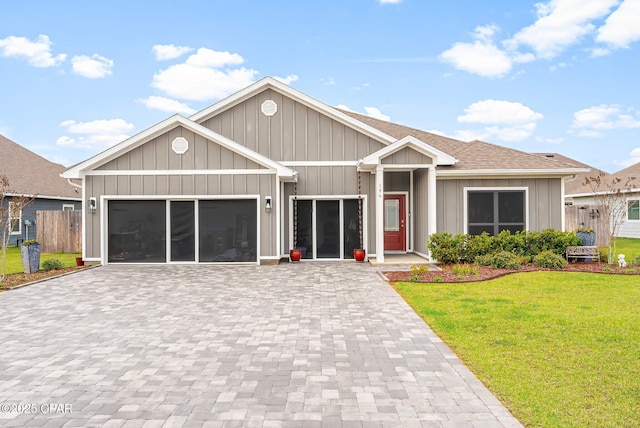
(380, 214)
(432, 222)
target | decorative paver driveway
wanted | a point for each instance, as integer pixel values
(316, 344)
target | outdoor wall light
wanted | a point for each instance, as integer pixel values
(267, 204)
(93, 205)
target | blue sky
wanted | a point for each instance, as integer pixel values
(555, 76)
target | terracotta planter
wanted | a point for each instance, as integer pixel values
(359, 254)
(295, 254)
(79, 261)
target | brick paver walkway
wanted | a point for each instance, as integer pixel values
(306, 345)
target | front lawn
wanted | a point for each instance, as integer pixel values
(630, 247)
(14, 259)
(559, 349)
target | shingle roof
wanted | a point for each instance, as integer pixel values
(575, 185)
(474, 155)
(31, 174)
(630, 172)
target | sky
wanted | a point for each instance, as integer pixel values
(555, 76)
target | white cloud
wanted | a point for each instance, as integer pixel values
(166, 52)
(93, 67)
(287, 80)
(554, 141)
(376, 114)
(389, 1)
(502, 120)
(592, 121)
(166, 104)
(37, 52)
(344, 107)
(634, 158)
(558, 66)
(201, 76)
(621, 27)
(482, 57)
(560, 24)
(329, 81)
(97, 134)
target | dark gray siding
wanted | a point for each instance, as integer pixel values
(29, 213)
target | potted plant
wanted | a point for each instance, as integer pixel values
(30, 252)
(359, 253)
(587, 236)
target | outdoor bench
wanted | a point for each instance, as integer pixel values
(583, 252)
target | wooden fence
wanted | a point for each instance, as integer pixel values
(59, 231)
(588, 217)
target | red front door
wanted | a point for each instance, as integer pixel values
(395, 233)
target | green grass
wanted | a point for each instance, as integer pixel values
(14, 260)
(630, 247)
(559, 349)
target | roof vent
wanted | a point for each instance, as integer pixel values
(180, 145)
(269, 108)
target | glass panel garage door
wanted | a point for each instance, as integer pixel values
(228, 230)
(137, 231)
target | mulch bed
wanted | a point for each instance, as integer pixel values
(15, 279)
(485, 272)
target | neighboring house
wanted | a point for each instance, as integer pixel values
(238, 180)
(583, 195)
(34, 176)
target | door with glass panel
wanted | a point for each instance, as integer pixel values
(395, 232)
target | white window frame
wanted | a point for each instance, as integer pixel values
(68, 207)
(465, 207)
(12, 218)
(632, 200)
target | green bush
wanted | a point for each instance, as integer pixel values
(502, 260)
(549, 259)
(464, 269)
(51, 264)
(604, 254)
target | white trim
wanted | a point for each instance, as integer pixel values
(319, 163)
(278, 214)
(168, 199)
(425, 256)
(340, 199)
(411, 215)
(563, 212)
(84, 222)
(166, 126)
(112, 172)
(271, 83)
(498, 173)
(634, 199)
(438, 157)
(582, 195)
(91, 259)
(19, 218)
(432, 202)
(60, 198)
(465, 192)
(407, 248)
(379, 204)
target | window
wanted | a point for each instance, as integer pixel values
(493, 211)
(68, 207)
(15, 217)
(633, 209)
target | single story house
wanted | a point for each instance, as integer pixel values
(271, 168)
(33, 176)
(583, 195)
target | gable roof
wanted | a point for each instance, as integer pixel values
(31, 174)
(476, 156)
(575, 184)
(438, 156)
(304, 99)
(160, 128)
(629, 181)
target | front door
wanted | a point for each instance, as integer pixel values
(395, 233)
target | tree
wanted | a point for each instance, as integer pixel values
(610, 197)
(10, 207)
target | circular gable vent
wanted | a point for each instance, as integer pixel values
(269, 108)
(180, 145)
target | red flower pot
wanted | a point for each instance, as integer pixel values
(359, 254)
(295, 255)
(79, 261)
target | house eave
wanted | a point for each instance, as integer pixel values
(486, 173)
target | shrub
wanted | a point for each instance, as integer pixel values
(604, 254)
(502, 260)
(51, 264)
(418, 269)
(464, 269)
(549, 259)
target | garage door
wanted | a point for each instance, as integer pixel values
(197, 231)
